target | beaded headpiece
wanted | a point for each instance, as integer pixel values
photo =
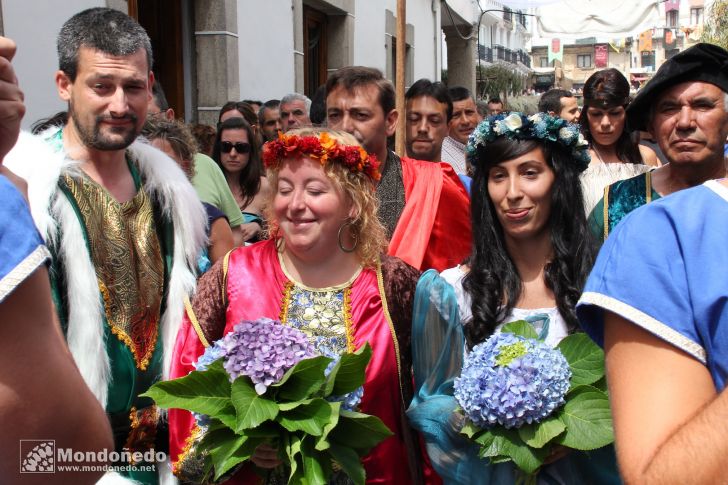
(323, 148)
(541, 126)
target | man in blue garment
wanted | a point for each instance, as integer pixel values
(692, 145)
(657, 298)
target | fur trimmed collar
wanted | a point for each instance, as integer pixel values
(33, 159)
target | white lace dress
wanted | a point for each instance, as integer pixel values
(599, 174)
(547, 322)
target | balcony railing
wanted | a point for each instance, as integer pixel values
(504, 54)
(500, 52)
(485, 53)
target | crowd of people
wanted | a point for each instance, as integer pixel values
(130, 241)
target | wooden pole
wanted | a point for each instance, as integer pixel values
(399, 146)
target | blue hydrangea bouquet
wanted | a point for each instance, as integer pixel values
(265, 383)
(520, 397)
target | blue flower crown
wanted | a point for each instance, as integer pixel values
(518, 126)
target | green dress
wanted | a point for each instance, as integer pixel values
(620, 199)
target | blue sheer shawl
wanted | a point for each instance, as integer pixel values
(438, 352)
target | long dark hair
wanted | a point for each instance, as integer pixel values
(493, 282)
(250, 175)
(607, 89)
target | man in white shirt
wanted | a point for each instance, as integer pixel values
(465, 118)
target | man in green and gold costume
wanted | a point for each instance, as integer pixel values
(685, 108)
(123, 224)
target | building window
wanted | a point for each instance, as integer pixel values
(315, 56)
(544, 62)
(507, 14)
(696, 16)
(648, 59)
(584, 60)
(671, 19)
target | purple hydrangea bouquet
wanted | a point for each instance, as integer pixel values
(265, 383)
(520, 397)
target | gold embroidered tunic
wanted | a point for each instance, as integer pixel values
(324, 314)
(126, 255)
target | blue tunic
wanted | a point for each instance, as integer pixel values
(21, 247)
(664, 268)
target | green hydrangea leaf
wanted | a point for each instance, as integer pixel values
(485, 439)
(470, 430)
(348, 374)
(228, 449)
(538, 434)
(251, 409)
(216, 432)
(350, 462)
(588, 419)
(585, 358)
(316, 469)
(267, 430)
(520, 327)
(287, 406)
(310, 418)
(322, 442)
(359, 431)
(507, 443)
(302, 380)
(292, 446)
(205, 392)
(601, 384)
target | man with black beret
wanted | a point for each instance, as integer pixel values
(685, 109)
(657, 297)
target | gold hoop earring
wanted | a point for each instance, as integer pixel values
(354, 235)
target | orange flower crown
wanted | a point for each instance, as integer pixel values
(323, 148)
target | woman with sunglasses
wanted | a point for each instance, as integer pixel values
(238, 156)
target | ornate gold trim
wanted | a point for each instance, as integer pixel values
(388, 317)
(285, 301)
(652, 325)
(189, 442)
(225, 268)
(648, 187)
(348, 317)
(195, 323)
(19, 273)
(141, 362)
(348, 321)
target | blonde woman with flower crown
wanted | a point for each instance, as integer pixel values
(323, 271)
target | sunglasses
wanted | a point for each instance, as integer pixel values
(240, 147)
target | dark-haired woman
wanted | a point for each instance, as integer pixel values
(531, 255)
(614, 154)
(238, 156)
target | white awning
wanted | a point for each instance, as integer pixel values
(579, 18)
